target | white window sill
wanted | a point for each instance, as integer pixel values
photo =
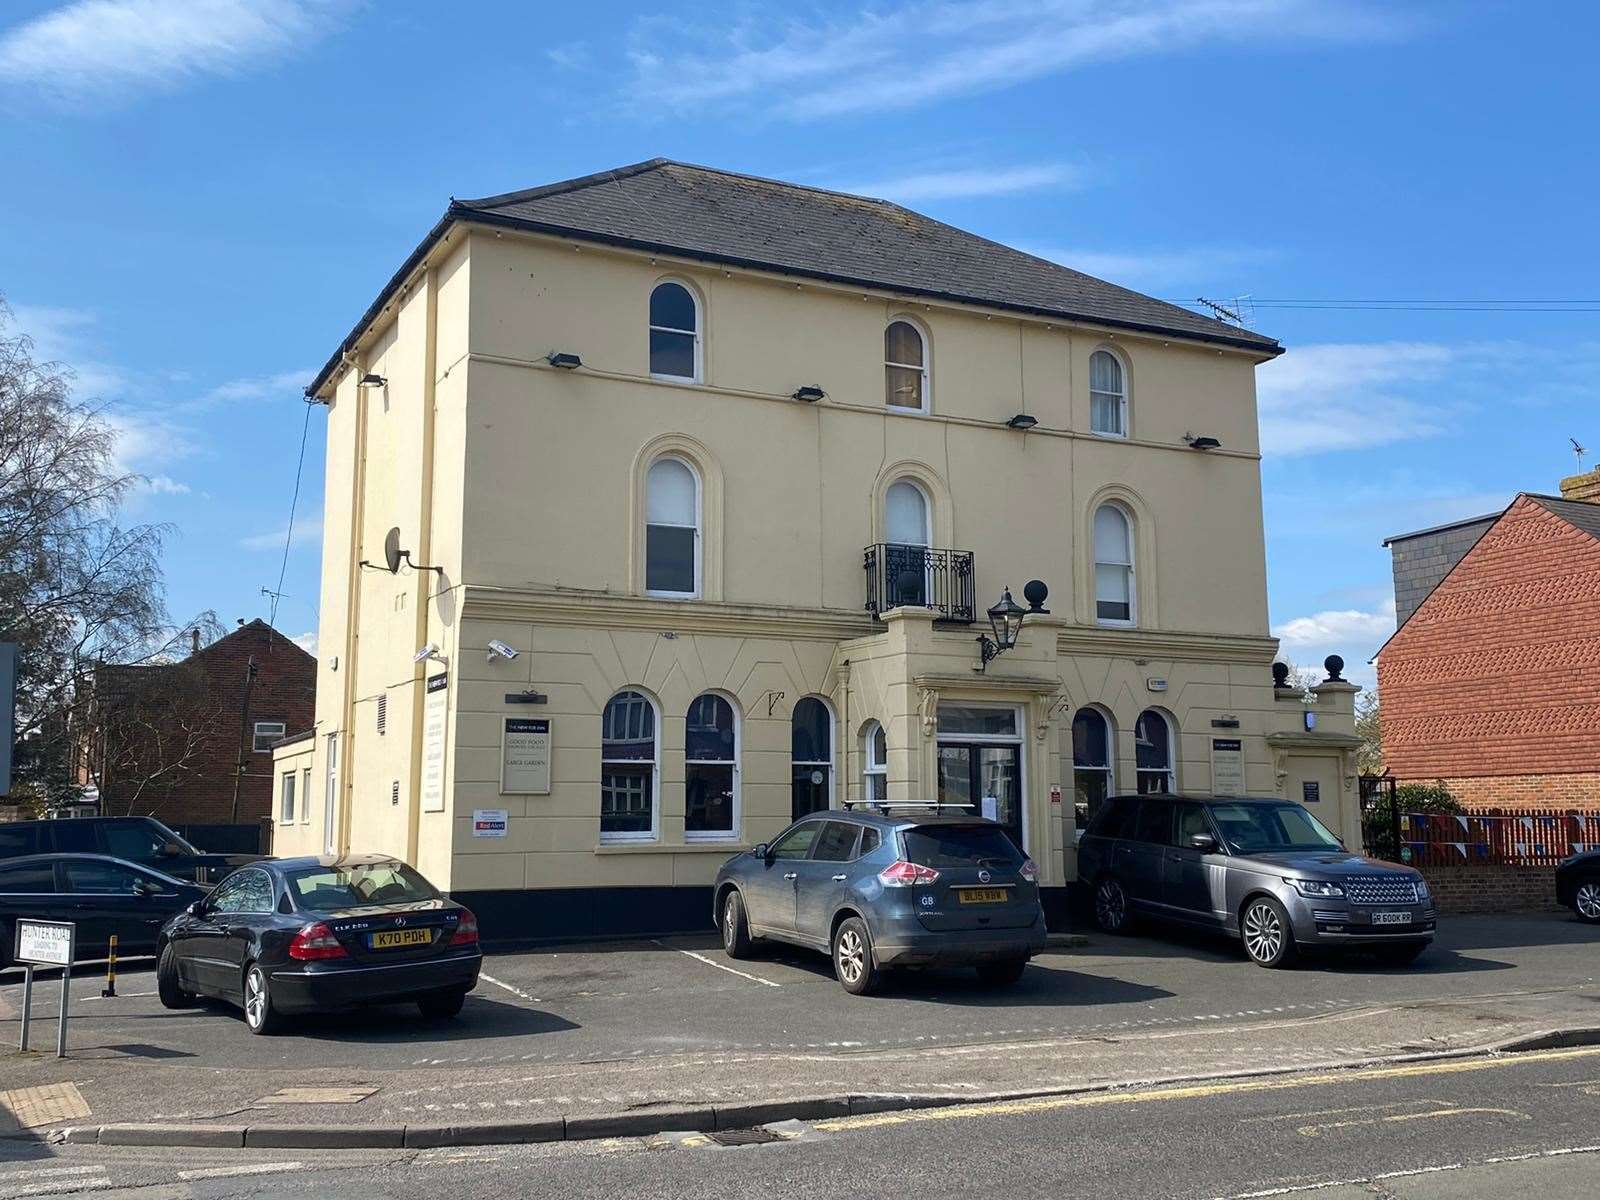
(905, 410)
(673, 595)
(723, 847)
(1110, 437)
(1104, 624)
(684, 379)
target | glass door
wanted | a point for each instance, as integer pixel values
(986, 776)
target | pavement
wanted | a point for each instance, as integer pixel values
(647, 1037)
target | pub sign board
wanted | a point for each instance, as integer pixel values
(525, 756)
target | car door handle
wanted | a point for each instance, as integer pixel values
(792, 875)
(840, 878)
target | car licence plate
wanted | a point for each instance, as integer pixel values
(981, 895)
(1391, 918)
(395, 938)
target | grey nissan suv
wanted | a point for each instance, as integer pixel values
(1264, 871)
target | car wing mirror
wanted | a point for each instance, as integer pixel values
(198, 909)
(762, 851)
(1204, 843)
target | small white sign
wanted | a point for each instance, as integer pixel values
(435, 717)
(490, 822)
(991, 808)
(525, 756)
(46, 943)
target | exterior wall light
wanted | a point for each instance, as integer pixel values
(1202, 443)
(810, 393)
(369, 380)
(1005, 619)
(1023, 421)
(566, 362)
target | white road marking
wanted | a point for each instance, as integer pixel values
(271, 1168)
(515, 991)
(7, 1177)
(120, 996)
(1298, 1188)
(719, 966)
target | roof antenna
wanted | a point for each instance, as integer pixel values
(1222, 311)
(1579, 451)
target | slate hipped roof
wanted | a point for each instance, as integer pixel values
(722, 217)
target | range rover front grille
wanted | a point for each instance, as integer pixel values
(1380, 889)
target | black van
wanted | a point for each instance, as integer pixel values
(142, 840)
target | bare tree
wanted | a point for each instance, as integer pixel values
(1369, 728)
(153, 730)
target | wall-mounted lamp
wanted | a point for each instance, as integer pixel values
(566, 362)
(1005, 619)
(1023, 421)
(369, 380)
(810, 393)
(1202, 443)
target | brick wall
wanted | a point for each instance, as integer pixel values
(1498, 672)
(1558, 793)
(1460, 891)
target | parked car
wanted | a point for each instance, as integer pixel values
(1578, 885)
(102, 895)
(887, 888)
(1264, 871)
(142, 840)
(299, 935)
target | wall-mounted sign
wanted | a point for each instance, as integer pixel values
(490, 822)
(525, 756)
(1055, 794)
(1227, 767)
(435, 716)
(1156, 684)
(1310, 791)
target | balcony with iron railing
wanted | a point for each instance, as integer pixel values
(899, 575)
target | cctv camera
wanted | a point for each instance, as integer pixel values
(426, 652)
(498, 649)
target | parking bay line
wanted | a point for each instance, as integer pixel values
(271, 1168)
(515, 991)
(719, 966)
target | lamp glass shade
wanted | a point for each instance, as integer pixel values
(1005, 619)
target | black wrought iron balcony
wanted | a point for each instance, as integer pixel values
(899, 575)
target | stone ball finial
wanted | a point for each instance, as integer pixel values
(1035, 593)
(1334, 665)
(1280, 674)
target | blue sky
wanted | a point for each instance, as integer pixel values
(202, 195)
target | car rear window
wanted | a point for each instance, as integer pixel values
(327, 889)
(957, 845)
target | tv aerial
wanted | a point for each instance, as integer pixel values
(1579, 451)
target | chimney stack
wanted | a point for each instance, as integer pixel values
(194, 641)
(1582, 487)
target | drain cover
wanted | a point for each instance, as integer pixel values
(743, 1137)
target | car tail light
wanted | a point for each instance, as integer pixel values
(466, 933)
(316, 942)
(906, 874)
(1029, 870)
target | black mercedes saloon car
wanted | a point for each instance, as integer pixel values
(299, 935)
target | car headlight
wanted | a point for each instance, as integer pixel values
(1317, 888)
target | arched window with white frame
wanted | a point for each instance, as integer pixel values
(630, 774)
(1108, 395)
(810, 757)
(675, 346)
(1154, 753)
(875, 772)
(905, 366)
(672, 529)
(907, 532)
(1114, 593)
(711, 769)
(1093, 764)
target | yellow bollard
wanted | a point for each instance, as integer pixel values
(111, 969)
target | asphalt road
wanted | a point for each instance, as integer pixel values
(1521, 1124)
(683, 995)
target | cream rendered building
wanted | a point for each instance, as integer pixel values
(735, 468)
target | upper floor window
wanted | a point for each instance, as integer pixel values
(1113, 566)
(672, 529)
(1152, 746)
(628, 768)
(266, 733)
(905, 366)
(711, 769)
(875, 774)
(1108, 395)
(674, 333)
(906, 530)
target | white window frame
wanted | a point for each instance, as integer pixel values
(1122, 396)
(833, 774)
(305, 796)
(1110, 769)
(699, 325)
(286, 790)
(737, 814)
(1015, 738)
(872, 767)
(1171, 771)
(925, 366)
(330, 800)
(256, 747)
(699, 529)
(1130, 567)
(654, 833)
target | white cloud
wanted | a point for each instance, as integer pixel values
(306, 641)
(1352, 633)
(969, 182)
(1344, 396)
(61, 335)
(307, 532)
(923, 51)
(146, 440)
(279, 386)
(1153, 270)
(570, 57)
(96, 48)
(165, 485)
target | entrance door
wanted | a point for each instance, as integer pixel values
(986, 776)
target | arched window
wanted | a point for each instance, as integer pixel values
(672, 529)
(711, 770)
(905, 366)
(1113, 566)
(1108, 395)
(629, 774)
(875, 774)
(810, 757)
(907, 532)
(1092, 759)
(1152, 744)
(674, 333)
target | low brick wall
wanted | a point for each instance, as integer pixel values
(1492, 889)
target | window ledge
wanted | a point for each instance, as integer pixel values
(726, 848)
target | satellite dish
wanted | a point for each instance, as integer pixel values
(392, 554)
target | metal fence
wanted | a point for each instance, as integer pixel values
(1502, 837)
(919, 575)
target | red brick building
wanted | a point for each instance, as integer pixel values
(1492, 684)
(166, 740)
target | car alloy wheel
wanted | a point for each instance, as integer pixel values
(852, 957)
(1587, 901)
(258, 1012)
(1110, 906)
(1264, 934)
(730, 923)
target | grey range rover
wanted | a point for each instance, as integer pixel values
(1264, 871)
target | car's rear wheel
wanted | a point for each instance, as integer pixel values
(1002, 974)
(1111, 911)
(259, 1014)
(852, 957)
(1264, 930)
(1586, 900)
(442, 1006)
(168, 988)
(736, 940)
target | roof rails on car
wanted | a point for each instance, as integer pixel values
(886, 805)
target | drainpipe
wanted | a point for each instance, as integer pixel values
(425, 579)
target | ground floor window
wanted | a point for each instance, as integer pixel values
(810, 758)
(875, 775)
(1152, 738)
(286, 804)
(628, 768)
(711, 769)
(1091, 764)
